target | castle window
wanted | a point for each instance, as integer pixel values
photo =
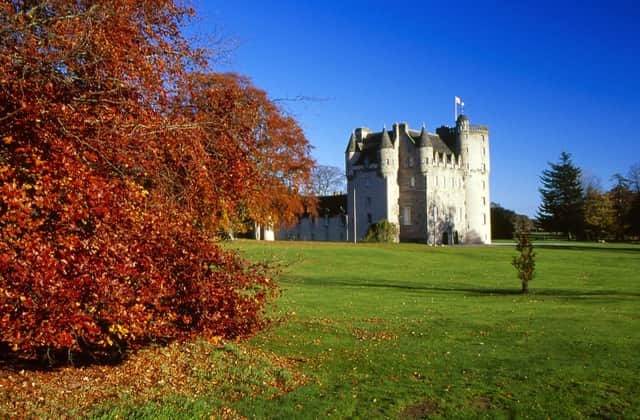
(484, 218)
(405, 216)
(412, 181)
(326, 220)
(484, 201)
(449, 159)
(484, 185)
(387, 161)
(410, 162)
(368, 202)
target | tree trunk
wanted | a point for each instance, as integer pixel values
(525, 287)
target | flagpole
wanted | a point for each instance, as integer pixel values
(455, 109)
(355, 220)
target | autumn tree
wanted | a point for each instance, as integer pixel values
(599, 213)
(257, 155)
(110, 189)
(562, 207)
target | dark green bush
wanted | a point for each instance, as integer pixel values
(382, 231)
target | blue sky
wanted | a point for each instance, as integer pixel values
(546, 77)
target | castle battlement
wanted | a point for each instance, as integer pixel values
(479, 129)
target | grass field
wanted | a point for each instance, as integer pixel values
(411, 331)
(408, 330)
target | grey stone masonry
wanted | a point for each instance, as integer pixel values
(434, 186)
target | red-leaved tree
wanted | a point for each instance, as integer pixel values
(257, 155)
(114, 178)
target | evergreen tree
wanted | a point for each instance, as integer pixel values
(502, 222)
(622, 201)
(562, 207)
(634, 212)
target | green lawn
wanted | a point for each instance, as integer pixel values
(409, 331)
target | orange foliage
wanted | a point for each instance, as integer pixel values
(117, 165)
(258, 157)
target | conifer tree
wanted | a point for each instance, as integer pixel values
(525, 263)
(562, 207)
(622, 202)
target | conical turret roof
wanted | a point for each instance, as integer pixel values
(351, 147)
(462, 118)
(423, 140)
(386, 140)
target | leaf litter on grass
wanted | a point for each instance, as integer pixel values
(222, 371)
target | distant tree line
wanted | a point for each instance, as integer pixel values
(575, 205)
(505, 222)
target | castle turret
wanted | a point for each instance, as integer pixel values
(473, 143)
(387, 154)
(350, 154)
(423, 153)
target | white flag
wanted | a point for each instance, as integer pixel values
(458, 101)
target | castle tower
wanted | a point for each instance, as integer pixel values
(423, 152)
(387, 154)
(350, 154)
(473, 143)
(389, 161)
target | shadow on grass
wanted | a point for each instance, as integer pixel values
(47, 361)
(479, 291)
(586, 247)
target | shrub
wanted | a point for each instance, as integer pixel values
(525, 262)
(382, 231)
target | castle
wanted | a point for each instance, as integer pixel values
(435, 187)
